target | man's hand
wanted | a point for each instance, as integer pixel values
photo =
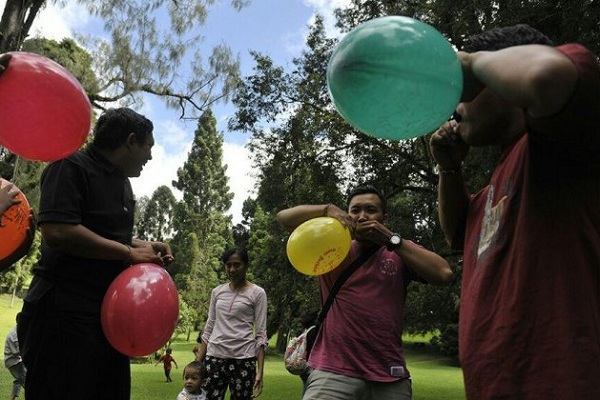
(8, 197)
(153, 252)
(372, 231)
(447, 147)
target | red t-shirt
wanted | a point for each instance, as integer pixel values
(530, 301)
(362, 333)
(166, 359)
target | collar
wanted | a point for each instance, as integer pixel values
(97, 156)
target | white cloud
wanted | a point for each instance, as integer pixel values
(241, 181)
(325, 9)
(162, 169)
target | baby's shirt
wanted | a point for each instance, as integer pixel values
(184, 395)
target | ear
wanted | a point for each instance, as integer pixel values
(131, 140)
(385, 218)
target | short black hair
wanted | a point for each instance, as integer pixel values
(243, 253)
(367, 189)
(115, 125)
(198, 366)
(503, 37)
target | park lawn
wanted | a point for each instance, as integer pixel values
(434, 377)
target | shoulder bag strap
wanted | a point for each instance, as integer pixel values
(360, 260)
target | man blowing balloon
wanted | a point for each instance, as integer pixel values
(530, 301)
(86, 219)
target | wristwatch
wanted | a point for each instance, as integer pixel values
(394, 241)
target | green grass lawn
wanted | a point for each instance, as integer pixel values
(434, 377)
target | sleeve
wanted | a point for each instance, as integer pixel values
(62, 198)
(210, 320)
(182, 396)
(260, 319)
(569, 141)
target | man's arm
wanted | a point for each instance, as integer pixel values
(80, 241)
(540, 79)
(290, 218)
(427, 264)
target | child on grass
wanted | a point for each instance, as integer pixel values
(167, 359)
(194, 375)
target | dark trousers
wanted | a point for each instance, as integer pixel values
(67, 356)
(237, 374)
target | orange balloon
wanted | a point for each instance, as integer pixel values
(45, 113)
(15, 222)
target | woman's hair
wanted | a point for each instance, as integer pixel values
(198, 366)
(243, 253)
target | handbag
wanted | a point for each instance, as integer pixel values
(298, 348)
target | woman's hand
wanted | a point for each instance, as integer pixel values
(258, 387)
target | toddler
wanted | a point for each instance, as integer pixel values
(194, 375)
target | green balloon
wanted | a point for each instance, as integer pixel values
(395, 78)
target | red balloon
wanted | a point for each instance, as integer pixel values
(15, 222)
(140, 310)
(45, 114)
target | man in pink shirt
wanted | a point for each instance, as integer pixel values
(358, 350)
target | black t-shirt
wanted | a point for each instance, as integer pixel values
(84, 188)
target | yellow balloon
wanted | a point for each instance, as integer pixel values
(318, 246)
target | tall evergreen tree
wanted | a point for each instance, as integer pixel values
(158, 216)
(203, 228)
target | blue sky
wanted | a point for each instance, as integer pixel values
(276, 28)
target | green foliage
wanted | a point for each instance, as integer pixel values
(447, 341)
(71, 56)
(156, 219)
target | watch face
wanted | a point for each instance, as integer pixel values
(395, 239)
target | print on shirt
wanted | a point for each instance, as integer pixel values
(491, 221)
(388, 267)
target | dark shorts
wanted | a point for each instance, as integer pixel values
(67, 355)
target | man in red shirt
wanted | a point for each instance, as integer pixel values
(530, 302)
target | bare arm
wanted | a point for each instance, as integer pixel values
(201, 354)
(290, 218)
(427, 264)
(80, 241)
(8, 197)
(258, 380)
(540, 78)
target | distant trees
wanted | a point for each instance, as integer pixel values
(305, 152)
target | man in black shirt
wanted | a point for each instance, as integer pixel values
(86, 219)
